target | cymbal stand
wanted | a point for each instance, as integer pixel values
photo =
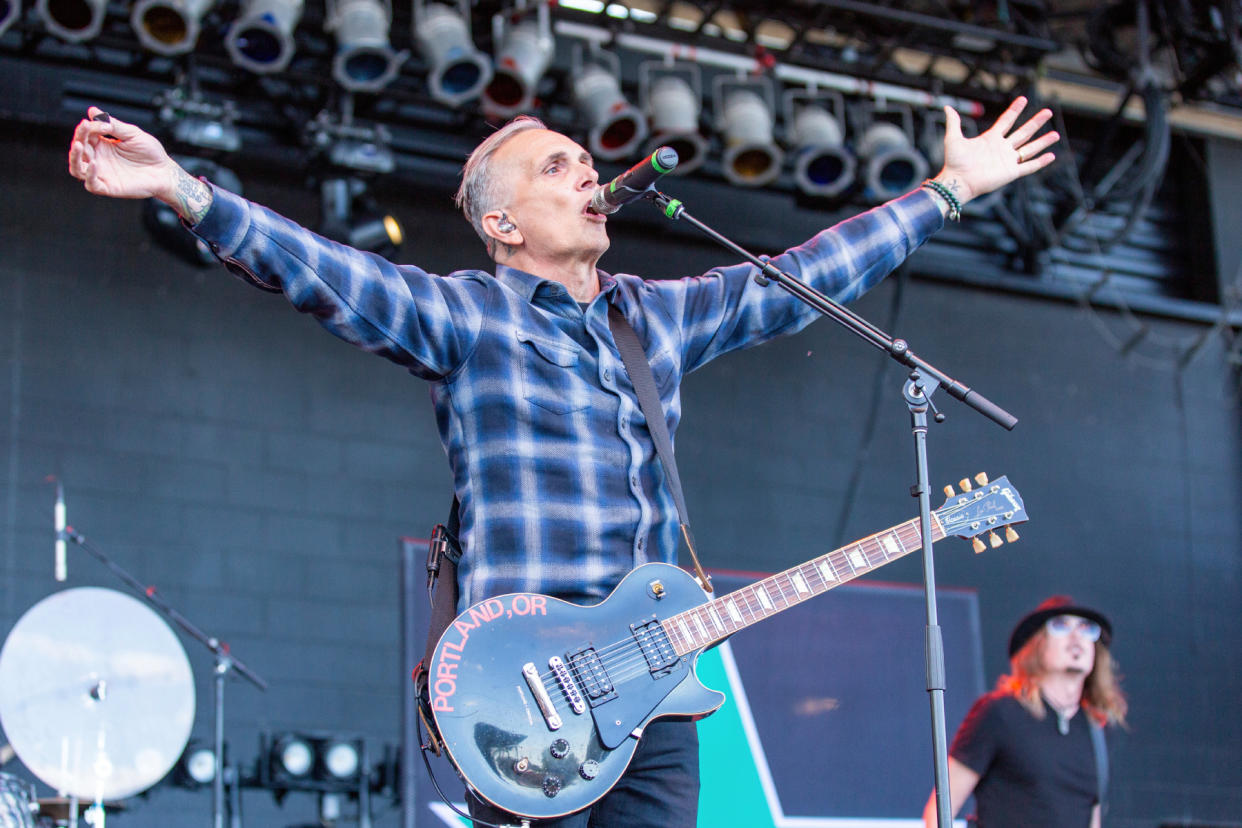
(225, 662)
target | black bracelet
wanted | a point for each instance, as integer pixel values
(955, 206)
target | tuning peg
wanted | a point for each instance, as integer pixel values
(964, 484)
(978, 545)
(948, 491)
(981, 478)
(1010, 534)
(995, 540)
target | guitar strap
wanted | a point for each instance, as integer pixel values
(639, 369)
(443, 553)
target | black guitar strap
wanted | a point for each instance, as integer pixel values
(443, 553)
(1100, 749)
(639, 369)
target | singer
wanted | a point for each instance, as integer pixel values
(556, 472)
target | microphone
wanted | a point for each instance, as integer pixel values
(62, 569)
(634, 183)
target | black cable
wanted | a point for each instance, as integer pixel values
(418, 731)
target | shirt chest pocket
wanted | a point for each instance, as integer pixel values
(552, 376)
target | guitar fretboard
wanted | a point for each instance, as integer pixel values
(716, 620)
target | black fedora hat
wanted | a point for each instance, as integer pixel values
(1056, 605)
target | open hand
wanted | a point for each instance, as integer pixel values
(976, 166)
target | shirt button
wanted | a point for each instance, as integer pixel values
(607, 375)
(634, 481)
(640, 543)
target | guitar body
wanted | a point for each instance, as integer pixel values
(540, 702)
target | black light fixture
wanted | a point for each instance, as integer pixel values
(165, 225)
(297, 761)
(196, 768)
(349, 214)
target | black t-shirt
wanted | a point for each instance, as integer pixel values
(1031, 775)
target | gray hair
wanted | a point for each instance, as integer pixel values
(481, 188)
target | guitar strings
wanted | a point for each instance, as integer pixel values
(619, 658)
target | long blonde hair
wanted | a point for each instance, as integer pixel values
(1101, 693)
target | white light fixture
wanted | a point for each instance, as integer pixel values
(671, 94)
(71, 20)
(746, 121)
(893, 166)
(525, 52)
(823, 167)
(457, 71)
(261, 38)
(168, 27)
(365, 61)
(616, 126)
(10, 10)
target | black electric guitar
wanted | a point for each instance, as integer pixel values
(540, 702)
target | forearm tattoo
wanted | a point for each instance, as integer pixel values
(193, 197)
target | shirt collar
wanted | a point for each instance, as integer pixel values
(527, 285)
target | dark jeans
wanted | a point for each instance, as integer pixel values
(660, 787)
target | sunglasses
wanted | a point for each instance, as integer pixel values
(1060, 625)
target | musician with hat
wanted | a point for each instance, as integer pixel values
(1032, 751)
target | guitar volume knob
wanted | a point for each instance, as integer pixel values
(559, 749)
(589, 769)
(551, 786)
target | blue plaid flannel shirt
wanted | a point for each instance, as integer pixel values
(561, 491)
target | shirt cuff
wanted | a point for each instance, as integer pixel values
(224, 227)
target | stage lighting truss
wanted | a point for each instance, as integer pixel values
(261, 38)
(346, 145)
(615, 126)
(746, 118)
(523, 56)
(815, 130)
(892, 164)
(365, 60)
(296, 761)
(671, 93)
(10, 10)
(71, 20)
(456, 71)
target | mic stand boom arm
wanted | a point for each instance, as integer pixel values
(917, 392)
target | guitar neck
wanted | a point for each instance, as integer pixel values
(716, 620)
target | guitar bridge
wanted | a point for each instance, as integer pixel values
(655, 646)
(591, 676)
(572, 696)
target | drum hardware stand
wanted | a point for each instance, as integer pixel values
(225, 662)
(924, 379)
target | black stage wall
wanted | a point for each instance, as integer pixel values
(260, 472)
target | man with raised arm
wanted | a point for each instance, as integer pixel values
(552, 462)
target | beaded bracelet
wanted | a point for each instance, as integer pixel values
(955, 206)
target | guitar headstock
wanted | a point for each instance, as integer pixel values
(982, 508)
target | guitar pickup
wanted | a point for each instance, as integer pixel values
(542, 699)
(572, 696)
(655, 646)
(592, 677)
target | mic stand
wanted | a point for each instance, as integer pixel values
(225, 662)
(923, 381)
